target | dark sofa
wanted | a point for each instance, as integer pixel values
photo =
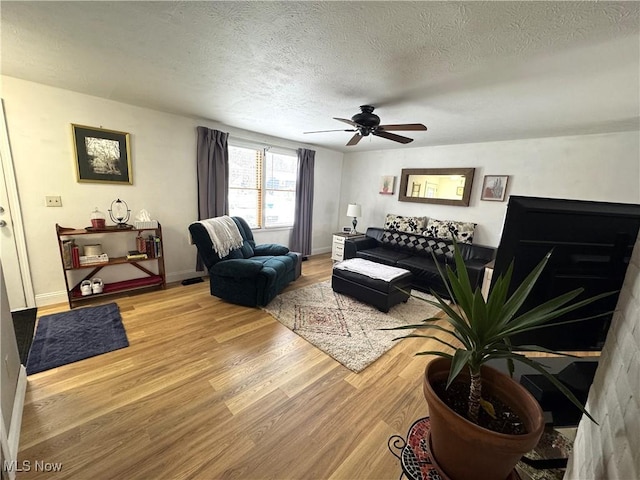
(251, 275)
(413, 252)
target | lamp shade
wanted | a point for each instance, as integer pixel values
(354, 210)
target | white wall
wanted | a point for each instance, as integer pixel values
(603, 167)
(163, 148)
(611, 449)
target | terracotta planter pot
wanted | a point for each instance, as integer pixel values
(464, 450)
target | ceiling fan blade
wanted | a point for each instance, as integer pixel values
(392, 136)
(354, 140)
(350, 122)
(339, 130)
(403, 126)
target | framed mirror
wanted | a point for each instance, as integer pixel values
(446, 186)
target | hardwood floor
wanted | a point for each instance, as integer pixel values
(210, 390)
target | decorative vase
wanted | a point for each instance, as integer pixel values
(464, 450)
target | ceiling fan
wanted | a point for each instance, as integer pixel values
(368, 123)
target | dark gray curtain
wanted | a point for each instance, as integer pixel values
(301, 235)
(213, 176)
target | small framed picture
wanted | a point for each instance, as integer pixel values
(387, 184)
(494, 187)
(346, 229)
(102, 156)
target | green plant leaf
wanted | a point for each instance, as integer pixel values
(410, 327)
(496, 301)
(546, 312)
(479, 313)
(443, 276)
(426, 300)
(458, 291)
(461, 271)
(517, 299)
(567, 393)
(422, 326)
(417, 335)
(538, 314)
(567, 322)
(538, 348)
(498, 293)
(460, 360)
(466, 334)
(436, 352)
(454, 333)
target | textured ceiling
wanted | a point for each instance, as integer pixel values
(470, 71)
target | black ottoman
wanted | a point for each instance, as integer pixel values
(382, 294)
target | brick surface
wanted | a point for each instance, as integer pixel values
(627, 467)
(612, 448)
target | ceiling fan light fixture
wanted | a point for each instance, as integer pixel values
(368, 123)
(366, 117)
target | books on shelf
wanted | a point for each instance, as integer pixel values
(75, 256)
(154, 246)
(93, 259)
(151, 247)
(67, 253)
(136, 255)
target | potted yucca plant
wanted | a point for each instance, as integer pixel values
(478, 331)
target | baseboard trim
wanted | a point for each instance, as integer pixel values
(176, 277)
(320, 251)
(44, 299)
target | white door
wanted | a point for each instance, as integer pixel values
(13, 252)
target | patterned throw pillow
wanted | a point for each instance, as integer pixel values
(419, 245)
(462, 232)
(404, 224)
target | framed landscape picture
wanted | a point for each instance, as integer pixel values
(102, 155)
(494, 187)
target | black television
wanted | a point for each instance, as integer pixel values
(592, 244)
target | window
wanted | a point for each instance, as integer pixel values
(262, 186)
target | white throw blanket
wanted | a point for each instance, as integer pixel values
(370, 269)
(224, 234)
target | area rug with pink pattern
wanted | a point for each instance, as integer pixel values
(344, 328)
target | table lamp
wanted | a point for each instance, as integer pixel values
(354, 210)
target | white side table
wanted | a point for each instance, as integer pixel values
(337, 246)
